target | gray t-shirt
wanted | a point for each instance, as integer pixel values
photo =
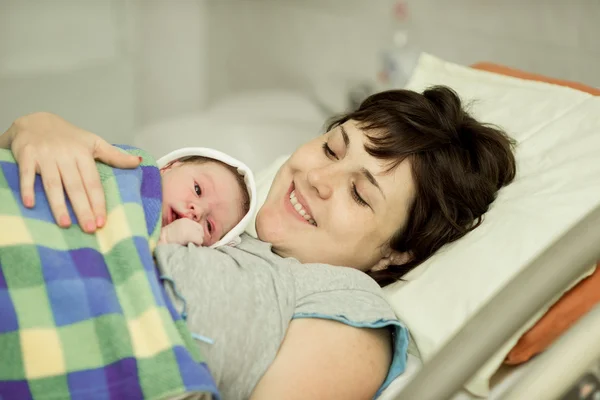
(244, 297)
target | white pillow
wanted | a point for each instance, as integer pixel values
(558, 182)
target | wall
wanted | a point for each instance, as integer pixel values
(68, 57)
(114, 65)
(109, 66)
(557, 38)
(170, 46)
(319, 47)
(323, 47)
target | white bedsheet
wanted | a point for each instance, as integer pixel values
(505, 379)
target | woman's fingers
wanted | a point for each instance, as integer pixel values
(95, 192)
(72, 181)
(54, 192)
(112, 156)
(41, 142)
(27, 179)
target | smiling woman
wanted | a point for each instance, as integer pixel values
(353, 198)
(387, 185)
(380, 192)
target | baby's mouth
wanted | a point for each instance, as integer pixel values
(174, 215)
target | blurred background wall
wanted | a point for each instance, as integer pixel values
(115, 66)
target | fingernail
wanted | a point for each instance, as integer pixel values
(90, 227)
(140, 158)
(100, 222)
(64, 221)
(28, 202)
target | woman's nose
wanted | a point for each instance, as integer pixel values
(322, 180)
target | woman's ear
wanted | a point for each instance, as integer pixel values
(391, 257)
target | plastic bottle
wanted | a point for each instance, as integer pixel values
(400, 58)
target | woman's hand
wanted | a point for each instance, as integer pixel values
(183, 231)
(63, 155)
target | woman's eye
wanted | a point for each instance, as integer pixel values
(328, 152)
(197, 189)
(357, 197)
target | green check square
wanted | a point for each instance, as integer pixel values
(46, 234)
(113, 337)
(80, 346)
(7, 199)
(122, 261)
(6, 155)
(32, 307)
(55, 387)
(135, 295)
(111, 191)
(136, 219)
(104, 171)
(11, 361)
(173, 333)
(76, 239)
(21, 266)
(159, 374)
(9, 203)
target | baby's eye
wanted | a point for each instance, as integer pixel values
(197, 189)
(209, 227)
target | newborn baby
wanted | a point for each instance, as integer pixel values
(208, 197)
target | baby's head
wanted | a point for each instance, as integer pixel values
(206, 190)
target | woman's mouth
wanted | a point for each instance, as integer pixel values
(300, 210)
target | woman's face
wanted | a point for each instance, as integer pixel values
(333, 203)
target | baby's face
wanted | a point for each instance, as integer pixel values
(207, 193)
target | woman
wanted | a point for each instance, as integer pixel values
(380, 192)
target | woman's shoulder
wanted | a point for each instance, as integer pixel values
(325, 277)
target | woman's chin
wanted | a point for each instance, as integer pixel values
(273, 228)
(268, 228)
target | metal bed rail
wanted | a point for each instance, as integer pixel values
(568, 258)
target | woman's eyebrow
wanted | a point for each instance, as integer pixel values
(367, 174)
(345, 136)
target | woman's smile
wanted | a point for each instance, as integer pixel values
(296, 205)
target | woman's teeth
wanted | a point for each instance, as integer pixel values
(300, 209)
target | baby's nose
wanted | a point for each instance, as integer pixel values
(197, 211)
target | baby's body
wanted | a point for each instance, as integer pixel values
(203, 199)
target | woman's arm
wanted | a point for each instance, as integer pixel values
(322, 359)
(63, 155)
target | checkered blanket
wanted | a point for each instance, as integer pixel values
(85, 316)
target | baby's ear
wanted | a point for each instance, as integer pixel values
(169, 166)
(391, 257)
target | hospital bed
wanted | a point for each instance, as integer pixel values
(546, 377)
(444, 368)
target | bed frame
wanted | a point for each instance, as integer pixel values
(553, 372)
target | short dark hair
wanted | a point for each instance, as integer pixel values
(458, 165)
(245, 206)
